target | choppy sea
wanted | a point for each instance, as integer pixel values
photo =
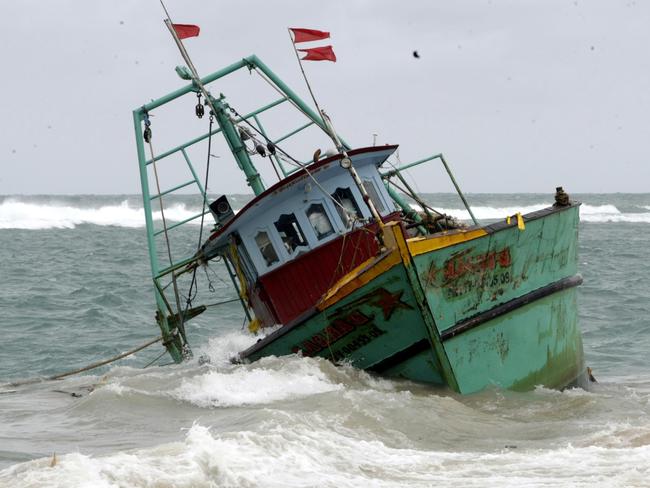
(75, 288)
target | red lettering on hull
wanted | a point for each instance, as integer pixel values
(461, 264)
(332, 333)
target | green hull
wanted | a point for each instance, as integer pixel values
(373, 323)
(491, 306)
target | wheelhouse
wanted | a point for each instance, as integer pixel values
(303, 233)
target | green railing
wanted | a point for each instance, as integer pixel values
(387, 175)
(227, 127)
(171, 320)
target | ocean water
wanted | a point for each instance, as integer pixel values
(75, 288)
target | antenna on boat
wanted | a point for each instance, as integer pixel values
(325, 53)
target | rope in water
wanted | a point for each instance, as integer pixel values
(85, 368)
(104, 362)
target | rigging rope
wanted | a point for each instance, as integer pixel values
(181, 322)
(155, 359)
(285, 156)
(411, 193)
(193, 285)
(281, 153)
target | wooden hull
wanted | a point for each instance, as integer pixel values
(463, 309)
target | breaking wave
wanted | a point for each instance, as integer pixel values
(17, 214)
(255, 386)
(303, 455)
(588, 213)
(609, 213)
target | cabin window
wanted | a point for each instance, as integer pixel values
(371, 190)
(319, 220)
(290, 232)
(266, 248)
(350, 210)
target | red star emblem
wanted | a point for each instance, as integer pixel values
(388, 302)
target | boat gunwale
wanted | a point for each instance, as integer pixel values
(493, 227)
(535, 215)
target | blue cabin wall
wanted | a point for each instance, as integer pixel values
(297, 197)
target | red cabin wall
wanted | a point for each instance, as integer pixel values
(297, 286)
(262, 306)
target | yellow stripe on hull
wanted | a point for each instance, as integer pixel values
(359, 276)
(400, 251)
(421, 245)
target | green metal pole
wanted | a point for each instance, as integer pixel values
(236, 145)
(216, 131)
(394, 171)
(460, 193)
(242, 63)
(184, 146)
(249, 62)
(144, 182)
(171, 342)
(294, 132)
(413, 195)
(196, 177)
(404, 205)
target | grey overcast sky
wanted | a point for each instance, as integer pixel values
(521, 96)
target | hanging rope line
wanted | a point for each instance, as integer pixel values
(286, 157)
(85, 368)
(232, 300)
(147, 138)
(412, 194)
(155, 359)
(273, 85)
(191, 295)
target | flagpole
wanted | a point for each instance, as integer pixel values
(295, 50)
(346, 162)
(197, 81)
(195, 75)
(190, 65)
(165, 9)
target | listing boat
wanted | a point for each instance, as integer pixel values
(340, 259)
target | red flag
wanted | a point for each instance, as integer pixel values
(324, 53)
(184, 31)
(305, 35)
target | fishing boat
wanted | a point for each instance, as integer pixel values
(341, 259)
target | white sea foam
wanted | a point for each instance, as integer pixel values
(304, 455)
(609, 213)
(266, 381)
(588, 213)
(15, 214)
(489, 213)
(225, 346)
